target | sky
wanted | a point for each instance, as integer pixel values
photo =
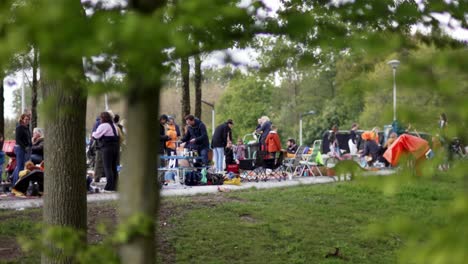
(242, 57)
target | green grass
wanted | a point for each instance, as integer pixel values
(290, 225)
(303, 224)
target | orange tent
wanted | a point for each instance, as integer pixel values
(406, 144)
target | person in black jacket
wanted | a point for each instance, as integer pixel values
(162, 134)
(264, 130)
(371, 151)
(197, 137)
(222, 135)
(23, 145)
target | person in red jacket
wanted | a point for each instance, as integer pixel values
(273, 142)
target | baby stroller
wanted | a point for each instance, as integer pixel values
(9, 150)
(252, 145)
(91, 154)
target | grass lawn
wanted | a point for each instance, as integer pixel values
(288, 225)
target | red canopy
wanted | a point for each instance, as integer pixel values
(406, 144)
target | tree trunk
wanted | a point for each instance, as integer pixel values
(2, 104)
(64, 186)
(198, 86)
(35, 67)
(185, 100)
(139, 191)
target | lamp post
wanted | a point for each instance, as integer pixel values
(212, 114)
(311, 112)
(394, 64)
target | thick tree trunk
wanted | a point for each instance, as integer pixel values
(198, 87)
(185, 100)
(65, 160)
(139, 191)
(35, 84)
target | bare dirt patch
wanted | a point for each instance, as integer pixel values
(107, 214)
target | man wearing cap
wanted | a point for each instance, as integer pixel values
(221, 136)
(197, 137)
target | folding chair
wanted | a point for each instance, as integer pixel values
(291, 163)
(308, 162)
(299, 157)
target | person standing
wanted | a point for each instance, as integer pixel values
(333, 141)
(108, 138)
(273, 143)
(23, 145)
(162, 134)
(221, 137)
(264, 130)
(352, 142)
(171, 122)
(239, 150)
(197, 137)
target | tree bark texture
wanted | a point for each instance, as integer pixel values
(185, 99)
(139, 191)
(65, 160)
(198, 86)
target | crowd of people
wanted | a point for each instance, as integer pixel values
(108, 136)
(225, 152)
(27, 147)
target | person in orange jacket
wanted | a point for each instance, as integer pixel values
(273, 142)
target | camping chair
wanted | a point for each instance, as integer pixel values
(291, 163)
(308, 161)
(298, 158)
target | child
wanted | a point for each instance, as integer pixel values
(239, 150)
(229, 154)
(273, 143)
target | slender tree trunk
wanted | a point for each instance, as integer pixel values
(185, 100)
(139, 185)
(35, 84)
(2, 104)
(64, 186)
(139, 190)
(198, 86)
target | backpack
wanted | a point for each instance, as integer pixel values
(192, 178)
(215, 178)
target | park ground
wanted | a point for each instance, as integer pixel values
(298, 224)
